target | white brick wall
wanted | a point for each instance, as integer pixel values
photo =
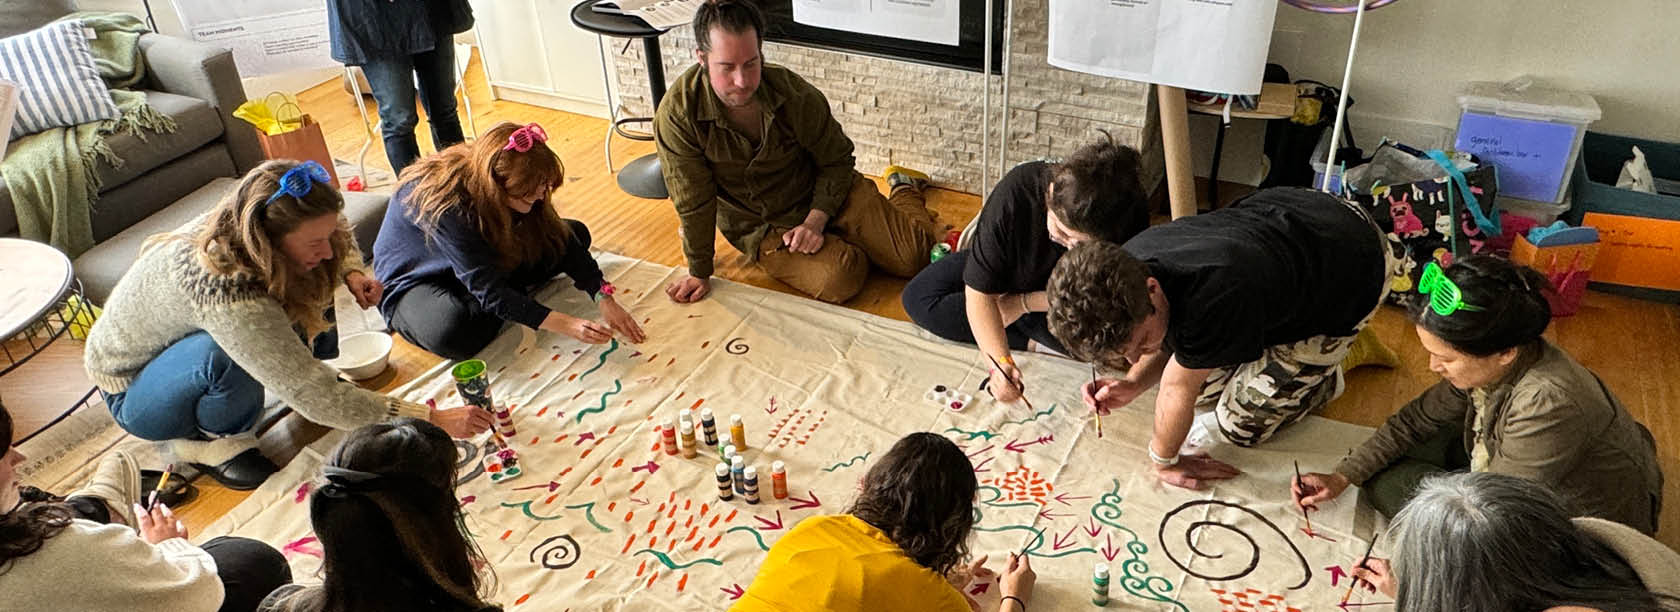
(929, 118)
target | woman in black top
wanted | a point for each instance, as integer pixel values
(992, 293)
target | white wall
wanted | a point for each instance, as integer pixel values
(169, 22)
(1414, 54)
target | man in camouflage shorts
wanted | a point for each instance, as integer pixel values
(1244, 314)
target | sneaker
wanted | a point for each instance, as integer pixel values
(1204, 434)
(117, 482)
(899, 175)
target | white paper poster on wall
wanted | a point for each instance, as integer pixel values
(934, 21)
(1211, 45)
(266, 36)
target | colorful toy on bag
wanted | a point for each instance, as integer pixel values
(1566, 256)
(948, 398)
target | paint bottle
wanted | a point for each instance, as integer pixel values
(504, 422)
(726, 490)
(668, 435)
(749, 484)
(737, 432)
(778, 479)
(728, 452)
(688, 450)
(685, 417)
(473, 384)
(1099, 585)
(738, 469)
(708, 426)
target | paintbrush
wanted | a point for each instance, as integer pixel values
(1096, 415)
(1018, 384)
(151, 500)
(1360, 565)
(1303, 487)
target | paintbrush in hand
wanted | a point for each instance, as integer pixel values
(1358, 566)
(1096, 415)
(1302, 485)
(1018, 384)
(151, 500)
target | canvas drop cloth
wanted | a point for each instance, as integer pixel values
(604, 520)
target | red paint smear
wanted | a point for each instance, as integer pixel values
(696, 405)
(705, 344)
(704, 508)
(681, 393)
(534, 375)
(627, 543)
(585, 452)
(689, 522)
(302, 492)
(671, 546)
(612, 429)
(652, 578)
(550, 499)
(651, 525)
(715, 541)
(682, 583)
(565, 472)
(669, 529)
(714, 521)
(698, 544)
(535, 439)
(556, 357)
(507, 533)
(521, 599)
(641, 569)
(673, 498)
(660, 509)
(691, 533)
(611, 505)
(596, 481)
(579, 394)
(653, 541)
(731, 516)
(687, 503)
(630, 516)
(668, 363)
(638, 486)
(568, 378)
(618, 463)
(655, 356)
(591, 575)
(541, 412)
(560, 437)
(672, 513)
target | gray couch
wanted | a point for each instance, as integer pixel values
(170, 178)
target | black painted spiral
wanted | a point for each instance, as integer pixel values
(562, 554)
(1190, 534)
(736, 346)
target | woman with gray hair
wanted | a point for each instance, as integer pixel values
(1486, 542)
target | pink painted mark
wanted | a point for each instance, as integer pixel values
(1019, 447)
(469, 499)
(1093, 529)
(1108, 549)
(1063, 497)
(767, 525)
(302, 493)
(650, 467)
(1047, 515)
(636, 354)
(1314, 534)
(981, 467)
(980, 589)
(805, 503)
(588, 435)
(772, 408)
(306, 545)
(1062, 541)
(734, 591)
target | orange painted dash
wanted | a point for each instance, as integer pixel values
(627, 543)
(507, 533)
(714, 521)
(526, 596)
(682, 583)
(596, 481)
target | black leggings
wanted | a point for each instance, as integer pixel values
(935, 302)
(441, 316)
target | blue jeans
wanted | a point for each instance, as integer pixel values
(190, 390)
(393, 79)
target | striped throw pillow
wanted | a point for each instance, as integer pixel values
(58, 83)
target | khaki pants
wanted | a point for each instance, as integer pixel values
(894, 233)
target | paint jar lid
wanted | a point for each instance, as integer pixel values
(777, 466)
(469, 369)
(737, 460)
(670, 424)
(705, 413)
(751, 472)
(722, 470)
(688, 428)
(729, 450)
(1100, 571)
(734, 419)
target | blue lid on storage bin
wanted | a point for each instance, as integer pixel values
(1519, 98)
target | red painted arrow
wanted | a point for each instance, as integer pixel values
(640, 501)
(767, 525)
(1059, 542)
(650, 466)
(1336, 574)
(980, 588)
(982, 467)
(1047, 515)
(1345, 605)
(588, 435)
(551, 486)
(1093, 529)
(1063, 497)
(1108, 550)
(734, 591)
(806, 503)
(1017, 446)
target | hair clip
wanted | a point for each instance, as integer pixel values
(298, 181)
(524, 138)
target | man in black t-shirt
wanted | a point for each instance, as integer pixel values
(992, 292)
(1244, 313)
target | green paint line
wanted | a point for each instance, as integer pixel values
(986, 435)
(617, 386)
(848, 463)
(671, 565)
(1034, 417)
(526, 508)
(754, 532)
(610, 348)
(589, 514)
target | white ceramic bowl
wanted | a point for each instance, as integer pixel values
(362, 356)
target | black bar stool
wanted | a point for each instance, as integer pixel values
(642, 177)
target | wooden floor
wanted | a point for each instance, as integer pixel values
(1633, 345)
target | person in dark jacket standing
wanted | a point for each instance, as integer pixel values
(395, 41)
